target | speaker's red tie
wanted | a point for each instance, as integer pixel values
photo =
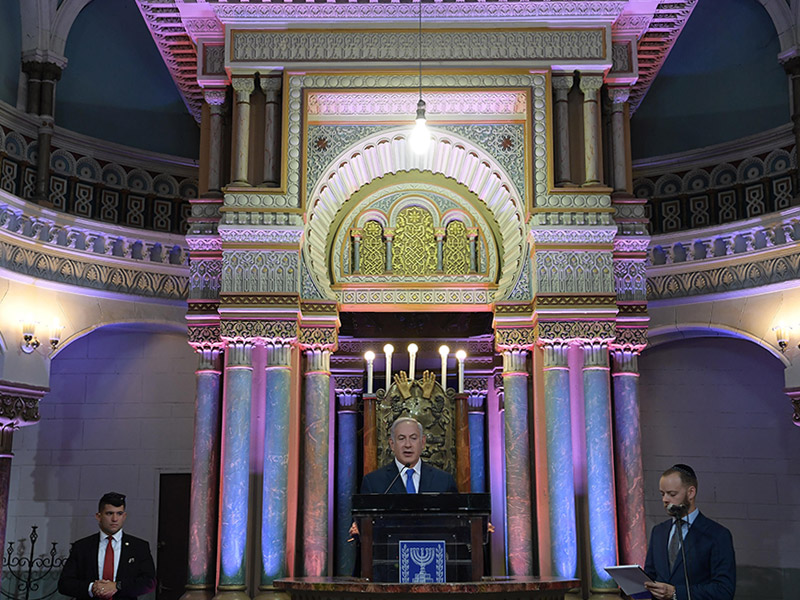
(108, 563)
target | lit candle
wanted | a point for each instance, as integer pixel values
(412, 358)
(461, 355)
(388, 349)
(369, 356)
(443, 352)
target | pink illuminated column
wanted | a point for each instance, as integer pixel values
(316, 411)
(205, 478)
(628, 457)
(518, 463)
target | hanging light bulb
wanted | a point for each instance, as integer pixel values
(420, 138)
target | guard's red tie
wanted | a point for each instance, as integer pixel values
(108, 563)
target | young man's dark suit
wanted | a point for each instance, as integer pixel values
(136, 573)
(431, 479)
(709, 552)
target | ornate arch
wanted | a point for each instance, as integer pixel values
(388, 153)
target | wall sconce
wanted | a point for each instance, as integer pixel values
(782, 335)
(29, 340)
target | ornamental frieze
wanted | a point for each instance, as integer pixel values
(202, 308)
(18, 410)
(634, 338)
(258, 329)
(565, 331)
(204, 336)
(574, 300)
(507, 338)
(566, 272)
(537, 45)
(722, 279)
(96, 275)
(259, 300)
(318, 337)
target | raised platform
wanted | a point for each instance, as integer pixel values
(505, 588)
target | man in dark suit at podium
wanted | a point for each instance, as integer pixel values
(708, 546)
(407, 473)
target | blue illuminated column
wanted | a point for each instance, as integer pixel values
(599, 465)
(316, 407)
(518, 463)
(346, 467)
(628, 456)
(274, 512)
(203, 503)
(477, 458)
(560, 482)
(235, 471)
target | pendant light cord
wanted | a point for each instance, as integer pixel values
(419, 48)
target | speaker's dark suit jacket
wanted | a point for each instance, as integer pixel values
(431, 479)
(136, 573)
(709, 552)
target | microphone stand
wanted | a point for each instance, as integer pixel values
(683, 555)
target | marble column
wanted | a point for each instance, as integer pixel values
(477, 441)
(346, 470)
(599, 465)
(235, 471)
(560, 482)
(275, 504)
(619, 147)
(243, 87)
(315, 469)
(216, 106)
(388, 236)
(562, 84)
(6, 440)
(204, 498)
(628, 457)
(271, 87)
(33, 71)
(590, 86)
(49, 73)
(518, 463)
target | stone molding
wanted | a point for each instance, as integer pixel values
(606, 10)
(724, 275)
(268, 331)
(574, 272)
(574, 236)
(318, 337)
(574, 200)
(413, 295)
(19, 404)
(532, 47)
(731, 239)
(260, 271)
(582, 331)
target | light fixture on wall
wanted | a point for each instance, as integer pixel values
(782, 333)
(30, 342)
(420, 138)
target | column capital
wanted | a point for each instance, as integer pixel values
(240, 353)
(515, 361)
(514, 338)
(270, 84)
(476, 402)
(619, 96)
(555, 354)
(214, 96)
(243, 85)
(595, 354)
(318, 359)
(19, 404)
(562, 82)
(348, 383)
(590, 84)
(326, 338)
(208, 358)
(279, 353)
(346, 401)
(625, 361)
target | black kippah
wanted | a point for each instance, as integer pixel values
(685, 469)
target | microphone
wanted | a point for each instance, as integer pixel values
(407, 466)
(676, 510)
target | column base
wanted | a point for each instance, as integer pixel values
(271, 593)
(231, 595)
(205, 594)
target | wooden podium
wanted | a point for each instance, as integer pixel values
(459, 520)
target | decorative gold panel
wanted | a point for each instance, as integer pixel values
(455, 254)
(373, 249)
(414, 247)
